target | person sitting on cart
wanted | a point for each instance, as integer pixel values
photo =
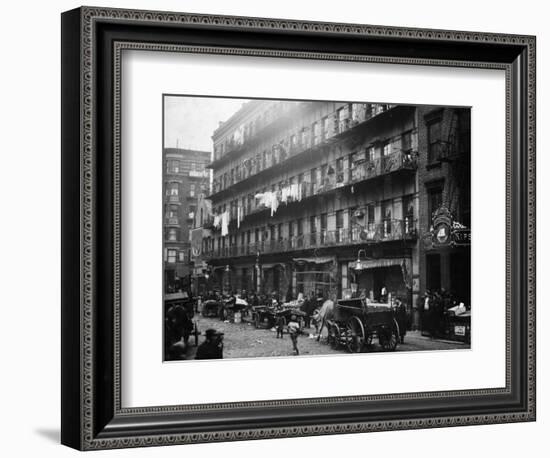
(293, 331)
(212, 347)
(274, 299)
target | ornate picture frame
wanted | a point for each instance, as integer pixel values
(93, 416)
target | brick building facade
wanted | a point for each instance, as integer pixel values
(333, 196)
(185, 177)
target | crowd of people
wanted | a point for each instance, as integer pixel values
(435, 311)
(311, 313)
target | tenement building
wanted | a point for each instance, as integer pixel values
(329, 197)
(184, 177)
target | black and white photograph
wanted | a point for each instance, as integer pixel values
(312, 227)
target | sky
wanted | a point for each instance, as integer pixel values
(190, 121)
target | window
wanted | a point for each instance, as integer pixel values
(313, 180)
(370, 214)
(406, 142)
(192, 189)
(173, 166)
(340, 170)
(326, 124)
(182, 256)
(173, 190)
(304, 138)
(371, 153)
(172, 256)
(172, 212)
(408, 214)
(387, 217)
(340, 226)
(293, 142)
(386, 148)
(434, 141)
(318, 133)
(343, 118)
(435, 200)
(313, 230)
(323, 227)
(172, 235)
(324, 169)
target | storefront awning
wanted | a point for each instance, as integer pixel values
(315, 260)
(382, 262)
(272, 265)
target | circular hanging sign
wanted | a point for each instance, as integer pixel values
(442, 234)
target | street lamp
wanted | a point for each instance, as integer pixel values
(358, 264)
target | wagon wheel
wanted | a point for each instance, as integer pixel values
(334, 335)
(355, 335)
(388, 337)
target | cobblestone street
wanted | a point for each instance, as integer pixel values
(243, 340)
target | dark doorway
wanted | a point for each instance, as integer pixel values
(460, 275)
(433, 274)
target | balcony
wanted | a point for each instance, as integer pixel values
(385, 231)
(337, 177)
(273, 118)
(295, 144)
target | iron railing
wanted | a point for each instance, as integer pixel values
(385, 231)
(301, 140)
(337, 176)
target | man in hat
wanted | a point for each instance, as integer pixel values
(212, 347)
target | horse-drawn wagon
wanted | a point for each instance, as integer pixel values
(355, 324)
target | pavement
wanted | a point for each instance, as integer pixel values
(244, 340)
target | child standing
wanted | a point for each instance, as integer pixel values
(294, 330)
(280, 323)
